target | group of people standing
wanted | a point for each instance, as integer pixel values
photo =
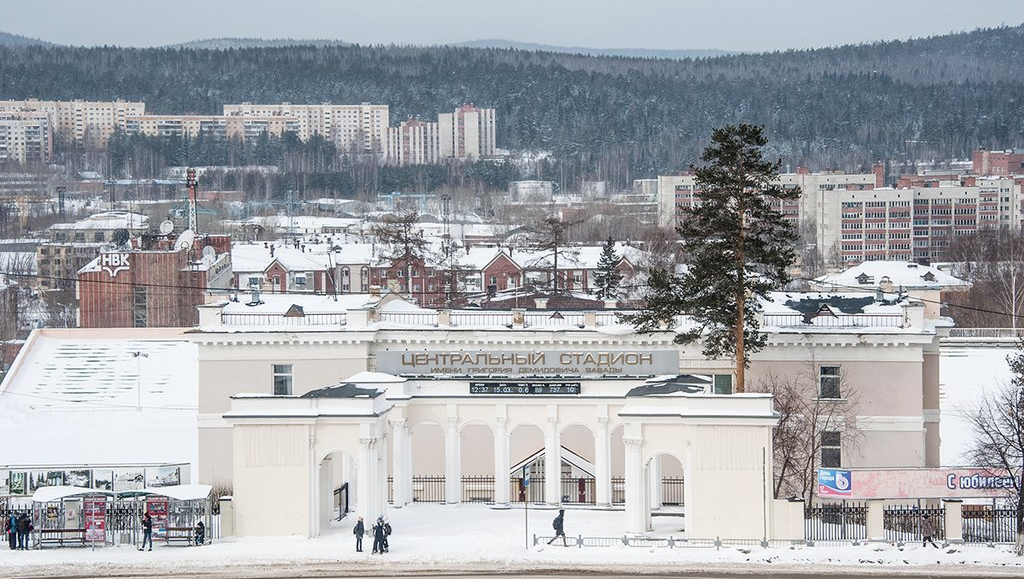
(381, 531)
(18, 528)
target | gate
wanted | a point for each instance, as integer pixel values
(341, 499)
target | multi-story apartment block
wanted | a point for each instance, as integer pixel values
(467, 133)
(358, 128)
(1006, 162)
(223, 126)
(25, 137)
(414, 142)
(84, 123)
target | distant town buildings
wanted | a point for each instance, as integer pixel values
(86, 124)
(25, 137)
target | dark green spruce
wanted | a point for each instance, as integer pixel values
(608, 277)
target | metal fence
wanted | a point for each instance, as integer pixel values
(835, 320)
(579, 491)
(410, 318)
(989, 525)
(281, 320)
(671, 491)
(986, 333)
(905, 523)
(836, 522)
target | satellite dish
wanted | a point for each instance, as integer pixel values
(185, 240)
(209, 253)
(166, 227)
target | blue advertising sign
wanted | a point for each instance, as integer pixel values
(526, 476)
(834, 482)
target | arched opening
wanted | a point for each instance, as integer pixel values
(476, 449)
(428, 463)
(337, 489)
(526, 450)
(666, 506)
(579, 472)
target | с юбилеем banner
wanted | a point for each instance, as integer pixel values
(913, 483)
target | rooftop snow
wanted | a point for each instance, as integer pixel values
(907, 275)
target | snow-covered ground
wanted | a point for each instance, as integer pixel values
(965, 375)
(474, 537)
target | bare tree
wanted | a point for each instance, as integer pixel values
(401, 242)
(998, 426)
(551, 238)
(993, 262)
(811, 407)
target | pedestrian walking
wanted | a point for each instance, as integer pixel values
(24, 528)
(559, 526)
(378, 536)
(928, 530)
(147, 531)
(359, 530)
(11, 528)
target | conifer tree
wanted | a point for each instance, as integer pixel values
(608, 277)
(737, 248)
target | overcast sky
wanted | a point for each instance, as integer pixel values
(747, 25)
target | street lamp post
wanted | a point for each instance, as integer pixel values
(138, 355)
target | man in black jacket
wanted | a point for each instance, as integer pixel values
(359, 531)
(378, 536)
(559, 525)
(147, 531)
(24, 528)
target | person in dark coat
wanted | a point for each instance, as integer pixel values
(147, 531)
(378, 536)
(24, 528)
(359, 530)
(559, 526)
(387, 533)
(928, 530)
(11, 528)
(200, 534)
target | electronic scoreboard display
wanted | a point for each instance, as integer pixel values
(515, 388)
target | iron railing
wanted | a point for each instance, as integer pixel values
(337, 319)
(835, 320)
(579, 491)
(905, 523)
(986, 333)
(989, 525)
(671, 491)
(836, 522)
(410, 318)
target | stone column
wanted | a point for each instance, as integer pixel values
(552, 464)
(602, 463)
(875, 521)
(452, 466)
(381, 486)
(954, 522)
(501, 475)
(326, 495)
(400, 463)
(654, 474)
(636, 518)
(364, 478)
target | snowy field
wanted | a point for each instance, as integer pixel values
(478, 539)
(965, 375)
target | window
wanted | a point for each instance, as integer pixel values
(831, 449)
(723, 383)
(828, 380)
(140, 309)
(282, 379)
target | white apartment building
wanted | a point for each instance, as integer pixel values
(467, 133)
(85, 123)
(414, 142)
(25, 137)
(232, 127)
(358, 128)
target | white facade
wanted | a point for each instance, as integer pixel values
(87, 123)
(358, 128)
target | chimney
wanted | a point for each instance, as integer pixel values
(611, 304)
(803, 171)
(541, 303)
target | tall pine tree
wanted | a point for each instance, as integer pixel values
(737, 247)
(608, 277)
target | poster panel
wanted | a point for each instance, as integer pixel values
(95, 511)
(103, 479)
(834, 482)
(128, 479)
(78, 478)
(157, 508)
(922, 483)
(5, 482)
(163, 476)
(19, 482)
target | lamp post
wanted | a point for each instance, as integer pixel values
(138, 355)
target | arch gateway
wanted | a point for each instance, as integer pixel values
(396, 405)
(286, 449)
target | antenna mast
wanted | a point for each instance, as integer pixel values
(193, 217)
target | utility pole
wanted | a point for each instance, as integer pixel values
(60, 202)
(139, 355)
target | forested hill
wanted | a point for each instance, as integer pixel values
(617, 118)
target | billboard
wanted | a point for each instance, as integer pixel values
(914, 483)
(834, 482)
(529, 363)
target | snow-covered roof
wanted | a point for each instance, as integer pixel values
(107, 220)
(72, 388)
(280, 304)
(251, 258)
(908, 275)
